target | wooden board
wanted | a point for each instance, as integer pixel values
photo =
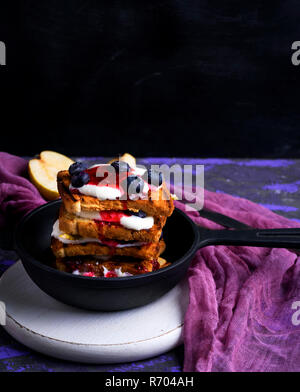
(50, 327)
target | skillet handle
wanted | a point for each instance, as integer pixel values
(271, 238)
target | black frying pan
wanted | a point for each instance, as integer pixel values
(183, 238)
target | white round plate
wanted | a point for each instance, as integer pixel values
(50, 327)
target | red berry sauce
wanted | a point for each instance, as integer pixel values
(155, 264)
(90, 274)
(110, 218)
(102, 176)
(110, 274)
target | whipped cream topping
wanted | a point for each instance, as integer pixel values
(117, 271)
(131, 222)
(62, 237)
(136, 223)
(103, 190)
(142, 195)
(100, 192)
(89, 274)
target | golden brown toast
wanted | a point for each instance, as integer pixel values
(74, 225)
(95, 267)
(75, 203)
(149, 251)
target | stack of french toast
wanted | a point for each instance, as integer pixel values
(111, 220)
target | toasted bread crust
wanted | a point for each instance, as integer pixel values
(72, 224)
(75, 203)
(89, 264)
(149, 251)
(87, 258)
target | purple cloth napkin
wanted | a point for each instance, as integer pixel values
(17, 195)
(240, 316)
(243, 300)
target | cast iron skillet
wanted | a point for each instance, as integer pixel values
(183, 239)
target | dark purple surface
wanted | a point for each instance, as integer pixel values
(271, 183)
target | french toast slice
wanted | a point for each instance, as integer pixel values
(160, 204)
(74, 225)
(147, 251)
(91, 266)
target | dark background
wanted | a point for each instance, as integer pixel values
(177, 77)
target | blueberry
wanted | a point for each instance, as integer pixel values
(153, 177)
(140, 214)
(80, 179)
(76, 168)
(121, 166)
(133, 185)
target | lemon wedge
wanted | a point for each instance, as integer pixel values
(43, 172)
